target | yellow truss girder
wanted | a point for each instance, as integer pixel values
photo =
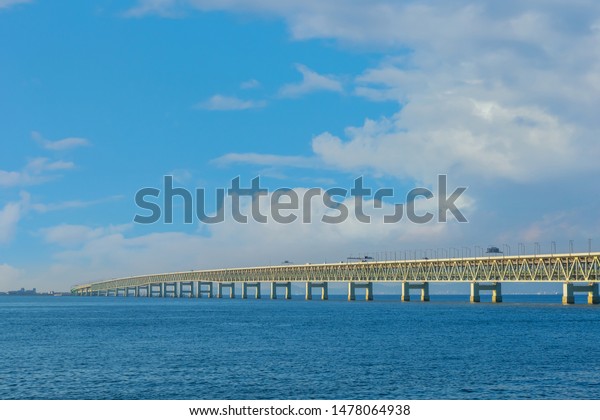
(527, 268)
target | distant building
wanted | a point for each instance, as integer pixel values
(23, 292)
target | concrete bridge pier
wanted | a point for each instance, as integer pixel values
(352, 286)
(407, 287)
(151, 288)
(569, 290)
(186, 289)
(323, 286)
(127, 290)
(230, 286)
(201, 290)
(496, 289)
(170, 290)
(245, 287)
(288, 289)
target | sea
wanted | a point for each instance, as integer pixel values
(528, 347)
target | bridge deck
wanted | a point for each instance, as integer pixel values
(584, 267)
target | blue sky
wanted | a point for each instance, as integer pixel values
(99, 99)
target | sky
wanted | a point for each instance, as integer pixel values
(100, 99)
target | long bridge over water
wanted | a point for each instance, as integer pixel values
(577, 272)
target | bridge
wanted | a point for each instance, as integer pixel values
(578, 272)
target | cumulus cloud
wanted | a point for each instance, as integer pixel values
(62, 144)
(266, 160)
(11, 278)
(164, 8)
(5, 4)
(504, 92)
(311, 82)
(71, 235)
(10, 215)
(71, 204)
(250, 84)
(466, 138)
(513, 87)
(229, 103)
(36, 171)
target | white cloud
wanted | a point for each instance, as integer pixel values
(467, 138)
(71, 204)
(266, 160)
(11, 278)
(63, 144)
(10, 215)
(71, 235)
(250, 84)
(229, 103)
(36, 171)
(311, 82)
(509, 91)
(5, 4)
(164, 8)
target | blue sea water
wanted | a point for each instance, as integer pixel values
(126, 348)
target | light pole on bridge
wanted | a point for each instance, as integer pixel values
(570, 246)
(466, 248)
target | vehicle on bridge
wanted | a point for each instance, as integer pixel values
(362, 259)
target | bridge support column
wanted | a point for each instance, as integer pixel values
(322, 286)
(187, 289)
(245, 287)
(407, 287)
(288, 289)
(170, 290)
(569, 290)
(200, 290)
(352, 286)
(231, 287)
(495, 288)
